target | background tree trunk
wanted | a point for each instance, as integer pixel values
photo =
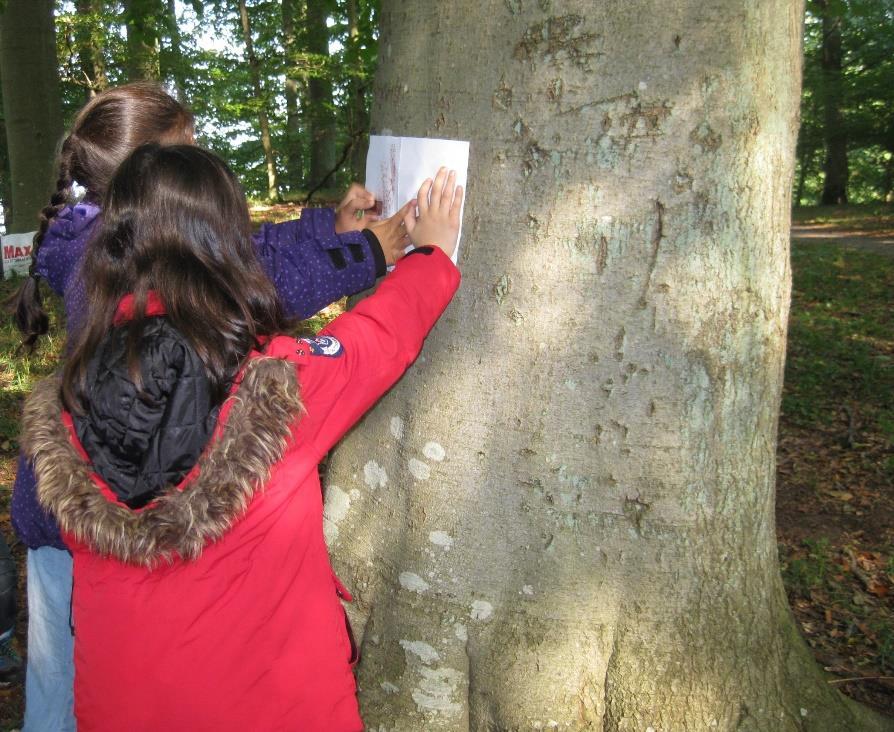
(263, 121)
(93, 67)
(174, 63)
(144, 18)
(319, 97)
(5, 180)
(31, 107)
(293, 12)
(562, 517)
(358, 117)
(835, 166)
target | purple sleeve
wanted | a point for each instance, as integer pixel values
(32, 523)
(312, 266)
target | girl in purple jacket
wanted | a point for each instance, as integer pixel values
(312, 262)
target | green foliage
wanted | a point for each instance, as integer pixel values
(19, 371)
(202, 59)
(803, 574)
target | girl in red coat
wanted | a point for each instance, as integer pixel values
(179, 454)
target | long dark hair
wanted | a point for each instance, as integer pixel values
(104, 133)
(175, 222)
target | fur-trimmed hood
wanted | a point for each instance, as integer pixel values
(251, 439)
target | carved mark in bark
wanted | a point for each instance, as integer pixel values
(554, 90)
(558, 38)
(635, 509)
(630, 96)
(603, 255)
(534, 158)
(502, 98)
(644, 120)
(502, 288)
(657, 236)
(706, 138)
(620, 338)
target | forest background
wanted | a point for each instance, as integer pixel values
(282, 90)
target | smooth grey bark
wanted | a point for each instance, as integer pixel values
(31, 107)
(254, 67)
(563, 516)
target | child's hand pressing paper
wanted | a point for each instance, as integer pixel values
(440, 203)
(356, 210)
(392, 233)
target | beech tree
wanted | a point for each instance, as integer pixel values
(562, 517)
(144, 20)
(31, 108)
(260, 102)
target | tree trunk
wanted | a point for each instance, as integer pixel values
(90, 58)
(263, 121)
(143, 19)
(292, 11)
(31, 105)
(5, 181)
(358, 118)
(563, 516)
(835, 165)
(319, 87)
(174, 55)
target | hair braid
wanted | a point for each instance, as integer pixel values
(27, 303)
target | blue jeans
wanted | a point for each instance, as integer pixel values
(49, 680)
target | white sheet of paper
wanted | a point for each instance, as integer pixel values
(396, 167)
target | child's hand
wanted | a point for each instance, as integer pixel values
(356, 210)
(440, 202)
(392, 233)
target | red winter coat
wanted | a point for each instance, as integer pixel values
(215, 607)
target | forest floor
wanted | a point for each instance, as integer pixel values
(835, 487)
(835, 459)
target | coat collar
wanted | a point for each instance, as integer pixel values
(125, 309)
(255, 425)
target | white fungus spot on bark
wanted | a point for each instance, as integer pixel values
(421, 650)
(460, 631)
(389, 688)
(437, 691)
(330, 532)
(481, 610)
(419, 469)
(441, 539)
(337, 504)
(397, 428)
(412, 582)
(375, 475)
(434, 451)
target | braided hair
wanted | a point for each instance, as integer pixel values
(104, 133)
(29, 315)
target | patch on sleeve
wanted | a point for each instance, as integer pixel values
(323, 346)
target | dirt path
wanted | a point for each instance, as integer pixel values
(878, 242)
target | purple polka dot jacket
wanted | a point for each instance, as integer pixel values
(310, 265)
